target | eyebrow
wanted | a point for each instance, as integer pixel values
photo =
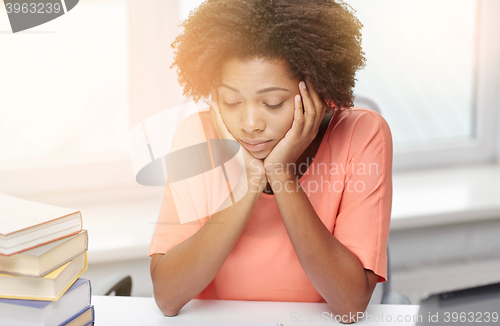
(261, 91)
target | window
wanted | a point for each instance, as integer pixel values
(64, 83)
(426, 71)
(421, 67)
(63, 96)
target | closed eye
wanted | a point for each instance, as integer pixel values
(274, 106)
(230, 104)
(268, 105)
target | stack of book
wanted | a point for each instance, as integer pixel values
(43, 252)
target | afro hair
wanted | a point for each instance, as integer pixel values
(319, 39)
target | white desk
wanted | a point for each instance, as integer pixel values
(144, 311)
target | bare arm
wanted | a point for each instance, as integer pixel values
(333, 269)
(185, 270)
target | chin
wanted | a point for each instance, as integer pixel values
(260, 155)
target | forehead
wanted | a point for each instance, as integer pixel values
(256, 73)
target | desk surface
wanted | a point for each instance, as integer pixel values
(144, 311)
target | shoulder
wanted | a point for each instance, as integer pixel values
(359, 123)
(361, 132)
(361, 117)
(204, 120)
(194, 129)
(195, 120)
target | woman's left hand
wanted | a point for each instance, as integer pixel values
(304, 129)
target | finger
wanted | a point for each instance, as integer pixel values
(298, 117)
(319, 104)
(219, 124)
(310, 110)
(214, 104)
(214, 101)
(226, 134)
(214, 94)
(214, 120)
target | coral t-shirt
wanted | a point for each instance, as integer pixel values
(349, 184)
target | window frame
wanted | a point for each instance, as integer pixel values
(485, 148)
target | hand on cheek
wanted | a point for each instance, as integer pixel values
(309, 111)
(253, 167)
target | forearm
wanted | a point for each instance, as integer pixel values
(185, 270)
(333, 269)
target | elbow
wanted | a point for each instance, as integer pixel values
(351, 312)
(169, 311)
(166, 299)
(349, 316)
(168, 307)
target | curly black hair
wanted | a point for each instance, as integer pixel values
(319, 39)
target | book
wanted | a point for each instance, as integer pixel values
(35, 312)
(84, 318)
(50, 287)
(39, 261)
(25, 224)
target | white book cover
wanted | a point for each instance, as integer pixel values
(17, 214)
(26, 224)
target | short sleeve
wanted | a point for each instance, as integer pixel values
(196, 188)
(169, 232)
(363, 219)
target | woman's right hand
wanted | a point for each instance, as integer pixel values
(254, 167)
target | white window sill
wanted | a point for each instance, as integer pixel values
(121, 222)
(445, 196)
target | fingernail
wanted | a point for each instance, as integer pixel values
(297, 97)
(303, 85)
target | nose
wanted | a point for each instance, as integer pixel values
(253, 120)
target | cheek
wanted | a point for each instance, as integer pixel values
(285, 121)
(229, 119)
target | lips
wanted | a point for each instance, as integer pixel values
(255, 145)
(254, 141)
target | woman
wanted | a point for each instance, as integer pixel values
(313, 223)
